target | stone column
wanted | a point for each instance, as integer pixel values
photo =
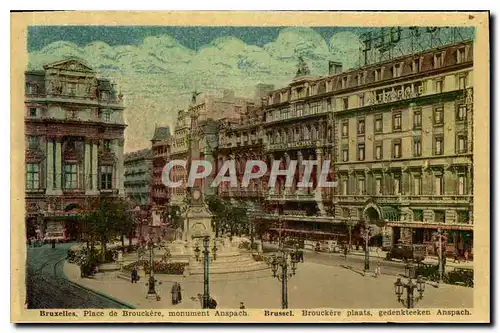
(58, 168)
(119, 166)
(50, 166)
(95, 173)
(87, 168)
(318, 195)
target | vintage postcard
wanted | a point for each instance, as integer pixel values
(250, 167)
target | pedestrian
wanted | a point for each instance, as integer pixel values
(377, 270)
(345, 251)
(456, 257)
(53, 243)
(242, 306)
(134, 277)
(175, 294)
(179, 292)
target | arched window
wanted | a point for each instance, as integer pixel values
(305, 133)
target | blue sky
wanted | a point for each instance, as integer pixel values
(191, 37)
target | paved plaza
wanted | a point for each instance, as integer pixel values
(314, 286)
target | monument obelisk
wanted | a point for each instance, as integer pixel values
(198, 221)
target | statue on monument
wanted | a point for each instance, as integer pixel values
(302, 68)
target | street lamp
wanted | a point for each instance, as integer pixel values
(366, 236)
(206, 261)
(152, 281)
(410, 286)
(280, 265)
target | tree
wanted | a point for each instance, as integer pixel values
(228, 215)
(111, 217)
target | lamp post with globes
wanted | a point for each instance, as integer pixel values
(410, 286)
(206, 261)
(284, 266)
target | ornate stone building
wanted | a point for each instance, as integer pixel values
(404, 146)
(74, 145)
(160, 147)
(138, 176)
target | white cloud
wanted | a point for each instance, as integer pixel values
(157, 76)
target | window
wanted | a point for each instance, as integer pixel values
(438, 115)
(396, 121)
(33, 142)
(416, 65)
(438, 145)
(314, 108)
(461, 185)
(345, 212)
(461, 112)
(299, 108)
(345, 129)
(361, 152)
(344, 82)
(378, 150)
(71, 88)
(378, 74)
(344, 186)
(378, 123)
(439, 86)
(106, 177)
(397, 184)
(417, 146)
(461, 143)
(462, 82)
(329, 104)
(439, 216)
(463, 217)
(345, 154)
(461, 55)
(106, 144)
(361, 100)
(70, 176)
(104, 95)
(361, 186)
(396, 149)
(378, 186)
(437, 60)
(418, 215)
(417, 185)
(417, 119)
(361, 126)
(33, 112)
(345, 100)
(438, 185)
(32, 176)
(396, 71)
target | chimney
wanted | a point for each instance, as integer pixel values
(334, 67)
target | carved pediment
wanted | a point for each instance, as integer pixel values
(70, 65)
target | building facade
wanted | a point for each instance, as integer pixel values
(74, 146)
(138, 176)
(404, 152)
(400, 136)
(160, 148)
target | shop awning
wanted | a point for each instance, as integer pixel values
(422, 225)
(303, 231)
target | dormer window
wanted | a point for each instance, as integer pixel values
(396, 70)
(461, 55)
(344, 82)
(415, 68)
(437, 60)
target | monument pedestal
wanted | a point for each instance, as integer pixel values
(198, 223)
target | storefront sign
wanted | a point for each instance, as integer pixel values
(395, 94)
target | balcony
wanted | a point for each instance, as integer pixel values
(296, 144)
(291, 197)
(406, 199)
